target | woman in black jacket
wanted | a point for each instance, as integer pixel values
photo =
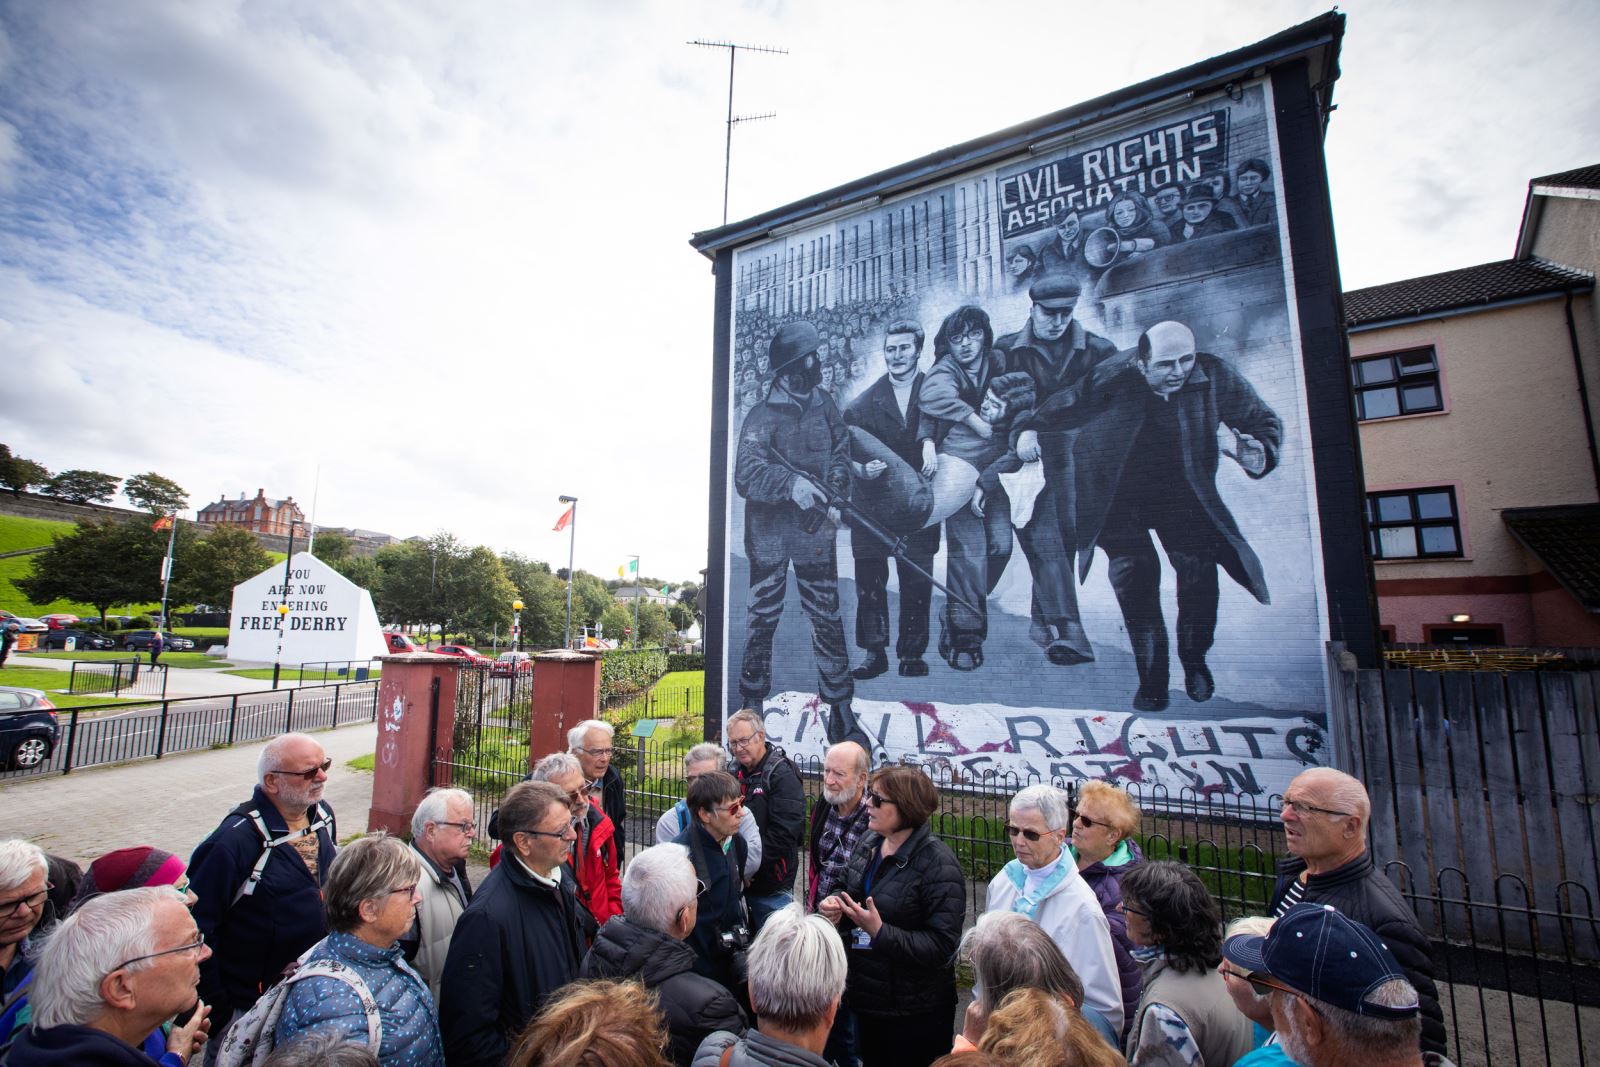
(900, 913)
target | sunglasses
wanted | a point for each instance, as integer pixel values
(730, 807)
(877, 800)
(1262, 987)
(310, 775)
(1027, 835)
(1086, 822)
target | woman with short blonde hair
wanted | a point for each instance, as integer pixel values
(1103, 846)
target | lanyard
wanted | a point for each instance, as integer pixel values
(872, 873)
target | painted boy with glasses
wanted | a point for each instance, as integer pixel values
(259, 877)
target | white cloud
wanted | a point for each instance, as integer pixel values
(439, 249)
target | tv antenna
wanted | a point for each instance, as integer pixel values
(733, 120)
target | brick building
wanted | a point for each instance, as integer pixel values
(261, 515)
(1474, 391)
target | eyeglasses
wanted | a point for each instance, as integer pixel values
(1125, 907)
(1027, 835)
(578, 795)
(737, 743)
(1087, 823)
(310, 775)
(606, 752)
(1262, 987)
(730, 807)
(571, 829)
(1302, 809)
(469, 828)
(877, 800)
(970, 335)
(699, 888)
(408, 890)
(36, 900)
(193, 946)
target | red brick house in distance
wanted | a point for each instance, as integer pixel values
(260, 515)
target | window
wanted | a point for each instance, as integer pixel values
(1400, 383)
(1414, 524)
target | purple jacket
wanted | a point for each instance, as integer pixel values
(1103, 879)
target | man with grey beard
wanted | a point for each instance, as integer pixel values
(836, 826)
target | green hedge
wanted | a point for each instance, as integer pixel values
(624, 671)
(686, 661)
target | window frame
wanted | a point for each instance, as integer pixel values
(1398, 382)
(1415, 523)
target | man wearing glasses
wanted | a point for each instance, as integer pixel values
(592, 865)
(1325, 815)
(591, 741)
(24, 889)
(442, 830)
(118, 968)
(518, 941)
(770, 787)
(721, 933)
(259, 876)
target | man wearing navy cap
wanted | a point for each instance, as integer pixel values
(1338, 995)
(793, 449)
(1056, 351)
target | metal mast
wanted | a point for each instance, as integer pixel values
(727, 157)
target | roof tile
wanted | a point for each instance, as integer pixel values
(1487, 283)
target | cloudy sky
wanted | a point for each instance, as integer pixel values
(439, 250)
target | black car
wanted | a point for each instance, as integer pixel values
(28, 728)
(86, 639)
(139, 641)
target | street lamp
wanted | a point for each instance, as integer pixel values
(516, 626)
(283, 603)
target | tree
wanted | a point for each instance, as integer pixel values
(104, 564)
(653, 625)
(207, 573)
(83, 487)
(544, 600)
(332, 547)
(362, 570)
(589, 600)
(441, 582)
(155, 494)
(681, 615)
(615, 622)
(18, 474)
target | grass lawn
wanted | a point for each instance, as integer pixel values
(294, 674)
(187, 660)
(676, 695)
(51, 681)
(200, 631)
(363, 763)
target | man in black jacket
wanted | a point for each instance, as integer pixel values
(259, 877)
(518, 941)
(660, 906)
(721, 932)
(1325, 815)
(771, 788)
(591, 741)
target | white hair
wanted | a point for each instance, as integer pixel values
(1374, 1035)
(657, 885)
(1048, 801)
(267, 762)
(576, 734)
(704, 752)
(435, 807)
(88, 945)
(20, 860)
(797, 969)
(556, 765)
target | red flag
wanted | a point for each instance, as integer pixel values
(566, 517)
(163, 523)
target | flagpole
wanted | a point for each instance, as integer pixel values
(638, 576)
(572, 548)
(166, 568)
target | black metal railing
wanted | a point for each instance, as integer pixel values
(133, 677)
(327, 672)
(135, 730)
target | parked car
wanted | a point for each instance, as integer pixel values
(398, 642)
(28, 727)
(512, 663)
(139, 641)
(471, 655)
(29, 626)
(85, 639)
(59, 620)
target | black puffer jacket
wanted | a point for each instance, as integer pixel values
(921, 895)
(773, 793)
(1362, 892)
(694, 1005)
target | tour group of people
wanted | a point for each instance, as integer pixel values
(274, 945)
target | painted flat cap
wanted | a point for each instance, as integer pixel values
(1060, 291)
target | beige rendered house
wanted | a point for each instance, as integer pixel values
(1476, 397)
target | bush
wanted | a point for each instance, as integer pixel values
(142, 622)
(630, 670)
(686, 661)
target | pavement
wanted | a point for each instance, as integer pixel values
(170, 803)
(187, 681)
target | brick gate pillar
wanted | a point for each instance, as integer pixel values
(416, 715)
(566, 691)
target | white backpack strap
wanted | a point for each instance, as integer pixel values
(326, 968)
(324, 820)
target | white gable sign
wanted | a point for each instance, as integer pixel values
(330, 618)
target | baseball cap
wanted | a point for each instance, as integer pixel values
(1315, 950)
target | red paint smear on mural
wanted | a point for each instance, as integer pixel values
(1114, 748)
(1130, 770)
(940, 732)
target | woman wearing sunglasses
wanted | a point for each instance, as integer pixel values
(1104, 848)
(1185, 1015)
(1044, 885)
(900, 914)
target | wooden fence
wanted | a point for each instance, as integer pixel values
(1484, 786)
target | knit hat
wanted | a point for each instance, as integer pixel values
(129, 868)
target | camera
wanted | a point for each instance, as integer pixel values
(734, 939)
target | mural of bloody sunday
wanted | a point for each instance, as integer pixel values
(1033, 444)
